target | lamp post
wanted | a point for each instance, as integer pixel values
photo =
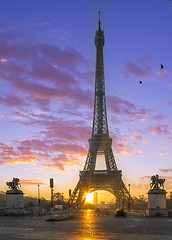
(129, 198)
(52, 196)
(70, 205)
(123, 200)
(39, 198)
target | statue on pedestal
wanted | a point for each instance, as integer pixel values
(14, 196)
(14, 184)
(157, 197)
(157, 182)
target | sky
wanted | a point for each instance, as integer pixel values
(47, 74)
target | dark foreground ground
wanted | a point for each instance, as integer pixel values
(86, 225)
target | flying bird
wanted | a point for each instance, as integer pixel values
(140, 82)
(161, 66)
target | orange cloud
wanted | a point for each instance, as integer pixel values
(139, 138)
(145, 178)
(140, 186)
(10, 155)
(128, 150)
(31, 181)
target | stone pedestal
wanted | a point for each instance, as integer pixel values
(14, 202)
(157, 203)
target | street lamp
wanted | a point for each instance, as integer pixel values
(39, 198)
(52, 196)
(129, 198)
(70, 205)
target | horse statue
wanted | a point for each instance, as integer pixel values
(161, 182)
(14, 184)
(157, 182)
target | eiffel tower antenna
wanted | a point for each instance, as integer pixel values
(100, 143)
(99, 21)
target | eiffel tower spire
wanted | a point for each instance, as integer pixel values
(100, 125)
(99, 21)
(100, 143)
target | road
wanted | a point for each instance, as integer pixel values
(85, 226)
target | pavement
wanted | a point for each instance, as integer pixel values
(86, 225)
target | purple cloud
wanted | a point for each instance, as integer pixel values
(136, 71)
(161, 130)
(166, 170)
(126, 108)
(11, 100)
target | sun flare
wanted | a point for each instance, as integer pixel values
(89, 197)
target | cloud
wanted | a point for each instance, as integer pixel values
(123, 107)
(45, 74)
(160, 117)
(29, 70)
(11, 100)
(145, 59)
(12, 46)
(142, 70)
(68, 57)
(62, 161)
(125, 149)
(170, 103)
(31, 182)
(162, 72)
(139, 138)
(49, 77)
(136, 71)
(144, 182)
(3, 60)
(145, 178)
(53, 128)
(43, 104)
(49, 146)
(49, 152)
(138, 131)
(166, 170)
(161, 130)
(11, 155)
(40, 91)
(169, 140)
(49, 73)
(139, 186)
(148, 178)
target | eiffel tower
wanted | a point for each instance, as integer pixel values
(100, 144)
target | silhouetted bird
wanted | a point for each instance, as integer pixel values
(161, 66)
(140, 82)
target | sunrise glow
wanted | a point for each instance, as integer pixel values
(47, 77)
(89, 197)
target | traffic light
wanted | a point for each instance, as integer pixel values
(69, 192)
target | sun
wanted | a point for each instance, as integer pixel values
(89, 197)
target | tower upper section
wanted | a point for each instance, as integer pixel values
(99, 38)
(100, 125)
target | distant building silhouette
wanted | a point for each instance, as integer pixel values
(95, 198)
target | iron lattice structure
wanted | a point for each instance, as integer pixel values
(100, 143)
